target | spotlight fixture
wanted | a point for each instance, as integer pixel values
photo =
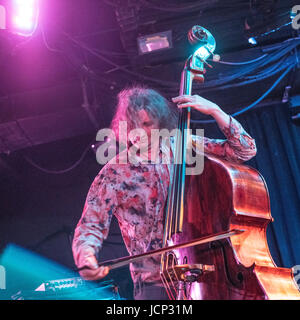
(260, 19)
(19, 16)
(24, 16)
(154, 42)
(252, 41)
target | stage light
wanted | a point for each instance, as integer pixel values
(24, 18)
(252, 41)
(154, 42)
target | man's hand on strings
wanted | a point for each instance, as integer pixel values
(92, 270)
(204, 106)
(196, 102)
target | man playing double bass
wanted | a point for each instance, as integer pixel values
(136, 193)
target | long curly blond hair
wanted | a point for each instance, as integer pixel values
(136, 98)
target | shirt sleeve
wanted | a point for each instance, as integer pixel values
(93, 226)
(238, 147)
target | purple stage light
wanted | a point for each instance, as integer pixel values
(25, 15)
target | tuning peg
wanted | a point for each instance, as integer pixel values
(216, 57)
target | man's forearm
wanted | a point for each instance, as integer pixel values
(221, 117)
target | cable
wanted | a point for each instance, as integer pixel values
(267, 73)
(179, 9)
(211, 84)
(239, 63)
(249, 66)
(272, 31)
(135, 74)
(255, 102)
(265, 94)
(115, 69)
(112, 53)
(46, 42)
(248, 69)
(99, 32)
(60, 171)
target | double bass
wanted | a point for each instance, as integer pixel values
(229, 199)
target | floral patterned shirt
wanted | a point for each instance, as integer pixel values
(136, 194)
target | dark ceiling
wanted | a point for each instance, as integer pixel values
(62, 82)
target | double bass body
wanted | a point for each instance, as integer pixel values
(224, 197)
